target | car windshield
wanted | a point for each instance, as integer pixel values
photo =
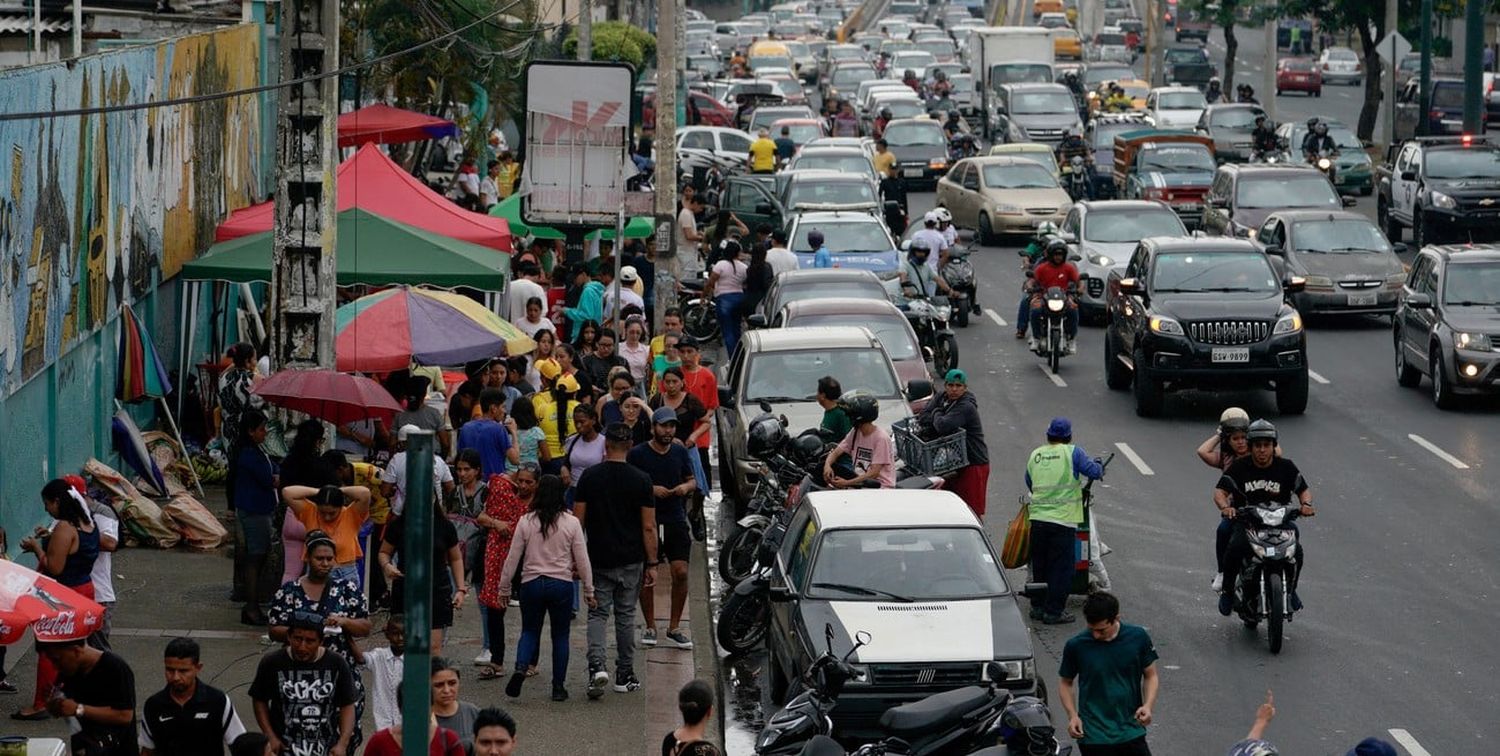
(1340, 53)
(822, 191)
(800, 133)
(840, 163)
(1104, 134)
(912, 134)
(1448, 95)
(1188, 55)
(912, 59)
(782, 376)
(788, 87)
(901, 108)
(1339, 235)
(938, 48)
(889, 331)
(845, 53)
(797, 48)
(1020, 73)
(851, 76)
(845, 236)
(1042, 102)
(1242, 119)
(1019, 175)
(1472, 284)
(770, 61)
(825, 289)
(1111, 39)
(1312, 190)
(1044, 158)
(1181, 101)
(1177, 158)
(1121, 227)
(1300, 66)
(1463, 164)
(1096, 75)
(904, 564)
(1213, 272)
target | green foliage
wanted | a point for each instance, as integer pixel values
(617, 41)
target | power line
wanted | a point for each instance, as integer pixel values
(194, 99)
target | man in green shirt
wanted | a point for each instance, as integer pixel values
(1114, 667)
(834, 419)
(1054, 475)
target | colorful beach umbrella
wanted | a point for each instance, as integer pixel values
(141, 374)
(510, 209)
(53, 611)
(339, 398)
(391, 329)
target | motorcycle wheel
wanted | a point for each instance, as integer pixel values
(945, 354)
(961, 315)
(1274, 610)
(1054, 348)
(743, 620)
(701, 322)
(737, 554)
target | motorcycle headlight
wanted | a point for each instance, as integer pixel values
(1442, 201)
(1273, 517)
(1324, 164)
(1474, 342)
(1055, 305)
(944, 312)
(1168, 326)
(1288, 324)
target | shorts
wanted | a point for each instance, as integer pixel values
(255, 529)
(674, 541)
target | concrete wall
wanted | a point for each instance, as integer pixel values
(98, 211)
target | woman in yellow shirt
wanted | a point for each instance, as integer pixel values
(554, 413)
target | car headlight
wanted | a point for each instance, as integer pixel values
(1395, 281)
(1288, 324)
(937, 163)
(1319, 282)
(1442, 201)
(1169, 326)
(1473, 342)
(1103, 260)
(1015, 670)
(1008, 209)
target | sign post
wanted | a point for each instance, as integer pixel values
(1392, 48)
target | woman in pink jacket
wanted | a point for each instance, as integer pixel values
(549, 551)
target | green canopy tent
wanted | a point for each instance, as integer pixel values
(638, 227)
(510, 209)
(372, 250)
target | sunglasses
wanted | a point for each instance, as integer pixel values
(530, 467)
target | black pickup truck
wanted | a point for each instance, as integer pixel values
(1442, 188)
(1187, 65)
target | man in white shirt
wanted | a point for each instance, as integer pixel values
(778, 256)
(689, 238)
(489, 190)
(393, 479)
(629, 279)
(521, 289)
(934, 239)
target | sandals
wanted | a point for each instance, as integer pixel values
(531, 671)
(491, 672)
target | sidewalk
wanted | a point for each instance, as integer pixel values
(163, 594)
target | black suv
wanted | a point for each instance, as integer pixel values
(1448, 323)
(1443, 188)
(1203, 313)
(1241, 197)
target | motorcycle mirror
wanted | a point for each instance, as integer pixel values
(765, 406)
(861, 638)
(1348, 201)
(756, 321)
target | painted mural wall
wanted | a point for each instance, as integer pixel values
(96, 211)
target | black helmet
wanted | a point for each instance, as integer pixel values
(765, 436)
(910, 74)
(1055, 246)
(861, 406)
(939, 75)
(729, 249)
(1311, 122)
(807, 446)
(1259, 117)
(885, 113)
(1026, 727)
(1261, 430)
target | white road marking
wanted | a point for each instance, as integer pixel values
(1135, 459)
(1313, 374)
(1056, 379)
(995, 316)
(1439, 453)
(1408, 742)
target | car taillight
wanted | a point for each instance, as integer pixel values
(1436, 115)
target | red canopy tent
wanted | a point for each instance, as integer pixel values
(372, 181)
(384, 124)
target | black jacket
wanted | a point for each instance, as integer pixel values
(945, 416)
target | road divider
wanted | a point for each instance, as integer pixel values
(1408, 742)
(995, 316)
(1437, 452)
(1135, 459)
(1056, 379)
(1313, 374)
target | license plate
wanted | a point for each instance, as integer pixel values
(1190, 206)
(1362, 300)
(912, 173)
(1237, 354)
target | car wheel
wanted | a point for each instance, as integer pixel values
(1041, 691)
(1317, 93)
(1406, 375)
(776, 680)
(1442, 390)
(1291, 395)
(986, 231)
(728, 483)
(1148, 399)
(1116, 375)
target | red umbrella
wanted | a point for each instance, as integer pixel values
(53, 611)
(339, 398)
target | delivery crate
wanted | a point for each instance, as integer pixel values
(938, 456)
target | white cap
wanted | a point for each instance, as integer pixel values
(628, 273)
(406, 430)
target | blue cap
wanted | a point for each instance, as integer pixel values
(1373, 747)
(1060, 428)
(664, 415)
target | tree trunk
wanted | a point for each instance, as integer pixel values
(1231, 46)
(1374, 91)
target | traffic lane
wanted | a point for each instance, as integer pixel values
(1161, 530)
(1339, 101)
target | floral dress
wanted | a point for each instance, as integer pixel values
(503, 505)
(339, 597)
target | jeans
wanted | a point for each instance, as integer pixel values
(1070, 323)
(1221, 541)
(494, 636)
(728, 306)
(348, 572)
(615, 589)
(550, 599)
(1023, 311)
(1052, 560)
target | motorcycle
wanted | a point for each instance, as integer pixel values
(781, 471)
(1269, 575)
(957, 720)
(1323, 161)
(960, 146)
(1052, 345)
(1076, 178)
(745, 615)
(700, 319)
(959, 273)
(929, 318)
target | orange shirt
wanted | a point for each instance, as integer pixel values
(702, 384)
(344, 530)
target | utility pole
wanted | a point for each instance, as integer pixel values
(304, 231)
(585, 29)
(1388, 130)
(668, 267)
(1425, 85)
(1153, 16)
(1474, 68)
(1268, 85)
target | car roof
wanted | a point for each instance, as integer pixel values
(834, 150)
(983, 160)
(1233, 105)
(1138, 205)
(825, 174)
(1305, 215)
(841, 306)
(904, 121)
(889, 508)
(1198, 244)
(1034, 86)
(1246, 169)
(1175, 88)
(1480, 252)
(837, 216)
(818, 337)
(815, 275)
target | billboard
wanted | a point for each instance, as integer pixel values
(577, 132)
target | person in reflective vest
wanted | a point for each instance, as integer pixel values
(1054, 475)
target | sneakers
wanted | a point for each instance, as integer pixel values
(1031, 344)
(648, 638)
(513, 686)
(7, 687)
(679, 638)
(1020, 334)
(598, 681)
(483, 659)
(1226, 604)
(559, 693)
(1218, 583)
(626, 683)
(1071, 347)
(1059, 619)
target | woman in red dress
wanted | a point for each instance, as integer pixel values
(509, 497)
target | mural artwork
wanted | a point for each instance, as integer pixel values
(96, 211)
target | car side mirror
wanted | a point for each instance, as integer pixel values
(1034, 591)
(780, 592)
(1294, 284)
(917, 389)
(1419, 301)
(726, 396)
(1348, 201)
(1277, 251)
(1408, 175)
(756, 321)
(1400, 248)
(1130, 286)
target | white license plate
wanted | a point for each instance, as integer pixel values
(1190, 206)
(912, 173)
(1362, 300)
(1237, 354)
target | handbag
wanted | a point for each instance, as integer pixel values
(1017, 548)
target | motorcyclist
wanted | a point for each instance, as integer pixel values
(881, 120)
(1263, 137)
(931, 237)
(868, 446)
(1258, 479)
(917, 271)
(1055, 271)
(1117, 101)
(945, 227)
(1071, 146)
(1247, 94)
(1317, 141)
(941, 87)
(1228, 444)
(1032, 253)
(954, 125)
(1073, 83)
(1213, 94)
(910, 79)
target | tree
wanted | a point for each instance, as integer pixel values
(618, 41)
(1366, 19)
(1223, 13)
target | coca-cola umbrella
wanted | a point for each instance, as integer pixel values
(53, 611)
(339, 398)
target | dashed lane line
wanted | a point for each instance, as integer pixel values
(1056, 379)
(1437, 451)
(1408, 742)
(1313, 374)
(995, 316)
(1135, 459)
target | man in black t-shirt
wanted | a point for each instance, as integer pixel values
(304, 695)
(1256, 480)
(615, 503)
(187, 716)
(98, 694)
(665, 460)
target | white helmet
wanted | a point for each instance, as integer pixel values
(943, 216)
(930, 217)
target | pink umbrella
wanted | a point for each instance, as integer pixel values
(339, 398)
(53, 611)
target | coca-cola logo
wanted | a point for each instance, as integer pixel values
(61, 626)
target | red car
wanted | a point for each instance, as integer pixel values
(1299, 75)
(711, 112)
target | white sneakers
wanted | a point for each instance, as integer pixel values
(1218, 583)
(483, 658)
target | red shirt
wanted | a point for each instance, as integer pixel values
(702, 384)
(444, 743)
(1048, 275)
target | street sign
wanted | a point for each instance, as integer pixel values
(1393, 47)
